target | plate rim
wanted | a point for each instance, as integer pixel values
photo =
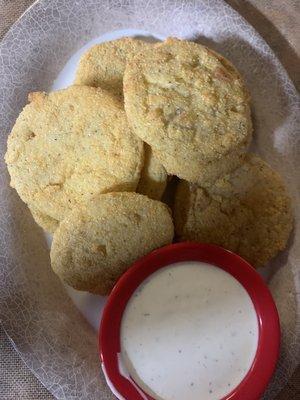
(21, 20)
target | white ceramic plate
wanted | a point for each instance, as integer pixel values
(54, 336)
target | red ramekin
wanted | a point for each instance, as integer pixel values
(258, 376)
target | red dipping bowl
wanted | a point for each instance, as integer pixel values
(258, 376)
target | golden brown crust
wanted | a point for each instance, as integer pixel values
(103, 65)
(69, 146)
(94, 245)
(153, 180)
(247, 211)
(201, 173)
(186, 101)
(44, 221)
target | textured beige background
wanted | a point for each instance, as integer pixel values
(278, 23)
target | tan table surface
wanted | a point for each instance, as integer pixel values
(278, 23)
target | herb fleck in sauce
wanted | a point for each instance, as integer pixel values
(189, 332)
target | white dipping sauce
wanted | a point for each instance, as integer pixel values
(189, 332)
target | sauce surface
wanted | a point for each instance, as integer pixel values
(190, 331)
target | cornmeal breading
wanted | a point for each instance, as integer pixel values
(95, 244)
(247, 211)
(69, 146)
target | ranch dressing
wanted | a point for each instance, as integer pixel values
(190, 331)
